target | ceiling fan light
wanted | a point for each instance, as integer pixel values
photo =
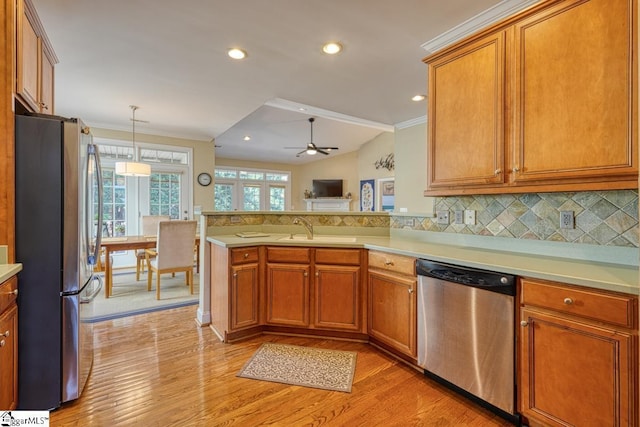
(311, 151)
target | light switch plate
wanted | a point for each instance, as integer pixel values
(443, 217)
(458, 217)
(470, 217)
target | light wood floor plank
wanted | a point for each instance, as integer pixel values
(161, 369)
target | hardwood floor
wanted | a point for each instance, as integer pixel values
(161, 369)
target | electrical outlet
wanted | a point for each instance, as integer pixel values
(567, 220)
(409, 222)
(470, 217)
(235, 219)
(443, 217)
(458, 217)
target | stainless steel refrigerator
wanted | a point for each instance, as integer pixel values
(58, 206)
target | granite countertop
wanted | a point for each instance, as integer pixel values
(8, 270)
(607, 276)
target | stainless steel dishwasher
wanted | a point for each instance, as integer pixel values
(466, 332)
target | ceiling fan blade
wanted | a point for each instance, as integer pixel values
(322, 151)
(302, 152)
(328, 148)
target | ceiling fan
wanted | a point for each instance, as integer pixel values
(311, 148)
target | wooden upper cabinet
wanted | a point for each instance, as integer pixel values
(466, 104)
(543, 101)
(575, 102)
(35, 61)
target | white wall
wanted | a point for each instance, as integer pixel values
(411, 170)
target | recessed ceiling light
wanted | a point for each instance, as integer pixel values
(332, 48)
(247, 138)
(236, 53)
(418, 98)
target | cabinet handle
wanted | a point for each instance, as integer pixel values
(388, 262)
(235, 275)
(2, 343)
(317, 274)
(498, 171)
(410, 290)
(13, 292)
(568, 301)
(306, 274)
(43, 106)
(524, 323)
(6, 334)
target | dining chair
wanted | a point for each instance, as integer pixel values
(174, 252)
(149, 228)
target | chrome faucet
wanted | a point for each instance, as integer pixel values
(306, 224)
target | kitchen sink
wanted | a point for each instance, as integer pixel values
(327, 239)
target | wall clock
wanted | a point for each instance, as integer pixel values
(204, 179)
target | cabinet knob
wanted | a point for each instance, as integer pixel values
(6, 334)
(516, 169)
(2, 343)
(44, 106)
(306, 274)
(246, 255)
(524, 323)
(498, 171)
(410, 290)
(13, 292)
(235, 274)
(568, 301)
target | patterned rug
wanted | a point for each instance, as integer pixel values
(303, 366)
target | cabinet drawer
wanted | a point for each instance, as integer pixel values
(8, 292)
(613, 308)
(392, 262)
(338, 256)
(244, 255)
(294, 255)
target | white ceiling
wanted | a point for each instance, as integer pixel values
(169, 58)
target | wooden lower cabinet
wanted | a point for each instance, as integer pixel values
(316, 288)
(392, 317)
(288, 294)
(8, 344)
(337, 297)
(576, 369)
(244, 296)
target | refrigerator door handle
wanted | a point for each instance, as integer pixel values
(94, 294)
(94, 153)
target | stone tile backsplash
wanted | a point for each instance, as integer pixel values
(608, 218)
(337, 219)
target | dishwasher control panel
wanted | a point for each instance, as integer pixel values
(489, 280)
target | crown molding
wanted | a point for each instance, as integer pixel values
(501, 10)
(411, 122)
(327, 114)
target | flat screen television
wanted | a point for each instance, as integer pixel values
(327, 187)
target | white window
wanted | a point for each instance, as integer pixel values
(251, 189)
(166, 192)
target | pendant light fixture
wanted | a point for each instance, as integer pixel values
(133, 168)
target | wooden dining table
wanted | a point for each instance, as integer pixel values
(127, 243)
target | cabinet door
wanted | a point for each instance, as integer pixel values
(28, 57)
(575, 374)
(466, 115)
(337, 297)
(244, 296)
(575, 92)
(9, 358)
(392, 311)
(288, 294)
(46, 84)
